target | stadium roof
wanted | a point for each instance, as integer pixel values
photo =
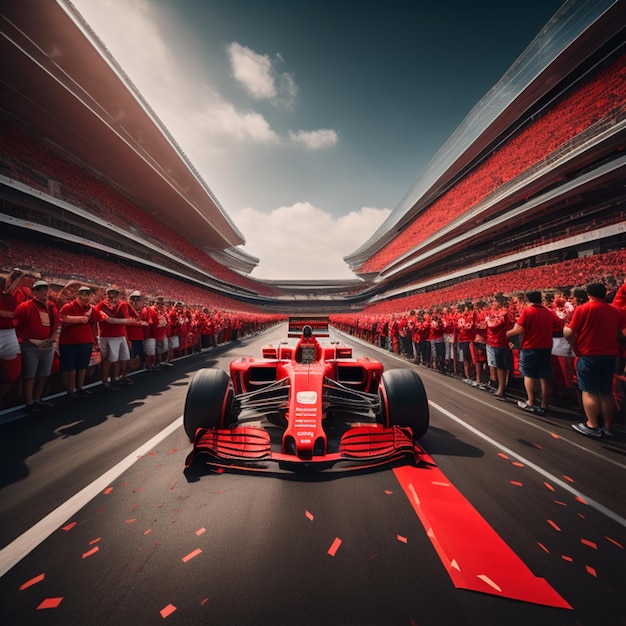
(92, 112)
(578, 29)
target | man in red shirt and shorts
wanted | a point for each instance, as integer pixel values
(38, 326)
(536, 323)
(596, 331)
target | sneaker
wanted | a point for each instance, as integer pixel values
(43, 405)
(522, 404)
(125, 381)
(32, 408)
(168, 364)
(607, 432)
(109, 387)
(539, 410)
(582, 428)
(81, 393)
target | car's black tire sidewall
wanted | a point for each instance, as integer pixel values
(207, 404)
(404, 401)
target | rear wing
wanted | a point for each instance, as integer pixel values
(319, 324)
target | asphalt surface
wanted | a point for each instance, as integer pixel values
(100, 525)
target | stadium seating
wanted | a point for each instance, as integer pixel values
(603, 97)
(31, 163)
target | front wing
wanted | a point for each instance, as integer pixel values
(250, 448)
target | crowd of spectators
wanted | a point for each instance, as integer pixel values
(87, 333)
(480, 339)
(602, 97)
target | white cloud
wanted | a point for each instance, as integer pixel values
(194, 113)
(252, 70)
(257, 74)
(304, 242)
(315, 139)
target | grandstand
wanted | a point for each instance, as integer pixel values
(528, 192)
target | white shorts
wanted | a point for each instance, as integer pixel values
(114, 349)
(175, 341)
(149, 346)
(163, 345)
(9, 345)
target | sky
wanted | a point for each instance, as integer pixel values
(310, 121)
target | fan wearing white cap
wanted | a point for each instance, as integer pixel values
(76, 341)
(38, 326)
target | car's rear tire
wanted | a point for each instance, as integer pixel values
(208, 402)
(404, 401)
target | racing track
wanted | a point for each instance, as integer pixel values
(140, 544)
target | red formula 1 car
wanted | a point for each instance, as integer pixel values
(305, 404)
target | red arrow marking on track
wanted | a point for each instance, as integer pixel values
(474, 555)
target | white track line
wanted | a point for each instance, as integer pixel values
(28, 541)
(551, 477)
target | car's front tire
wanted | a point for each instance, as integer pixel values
(208, 402)
(404, 401)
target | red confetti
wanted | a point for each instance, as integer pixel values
(32, 581)
(167, 611)
(147, 532)
(560, 503)
(200, 531)
(569, 479)
(90, 552)
(517, 464)
(619, 545)
(50, 603)
(94, 541)
(138, 490)
(402, 539)
(309, 516)
(504, 456)
(544, 548)
(191, 555)
(549, 486)
(108, 490)
(333, 549)
(537, 446)
(554, 436)
(173, 450)
(69, 526)
(567, 558)
(204, 601)
(130, 521)
(591, 544)
(388, 492)
(554, 525)
(581, 500)
(516, 483)
(591, 570)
